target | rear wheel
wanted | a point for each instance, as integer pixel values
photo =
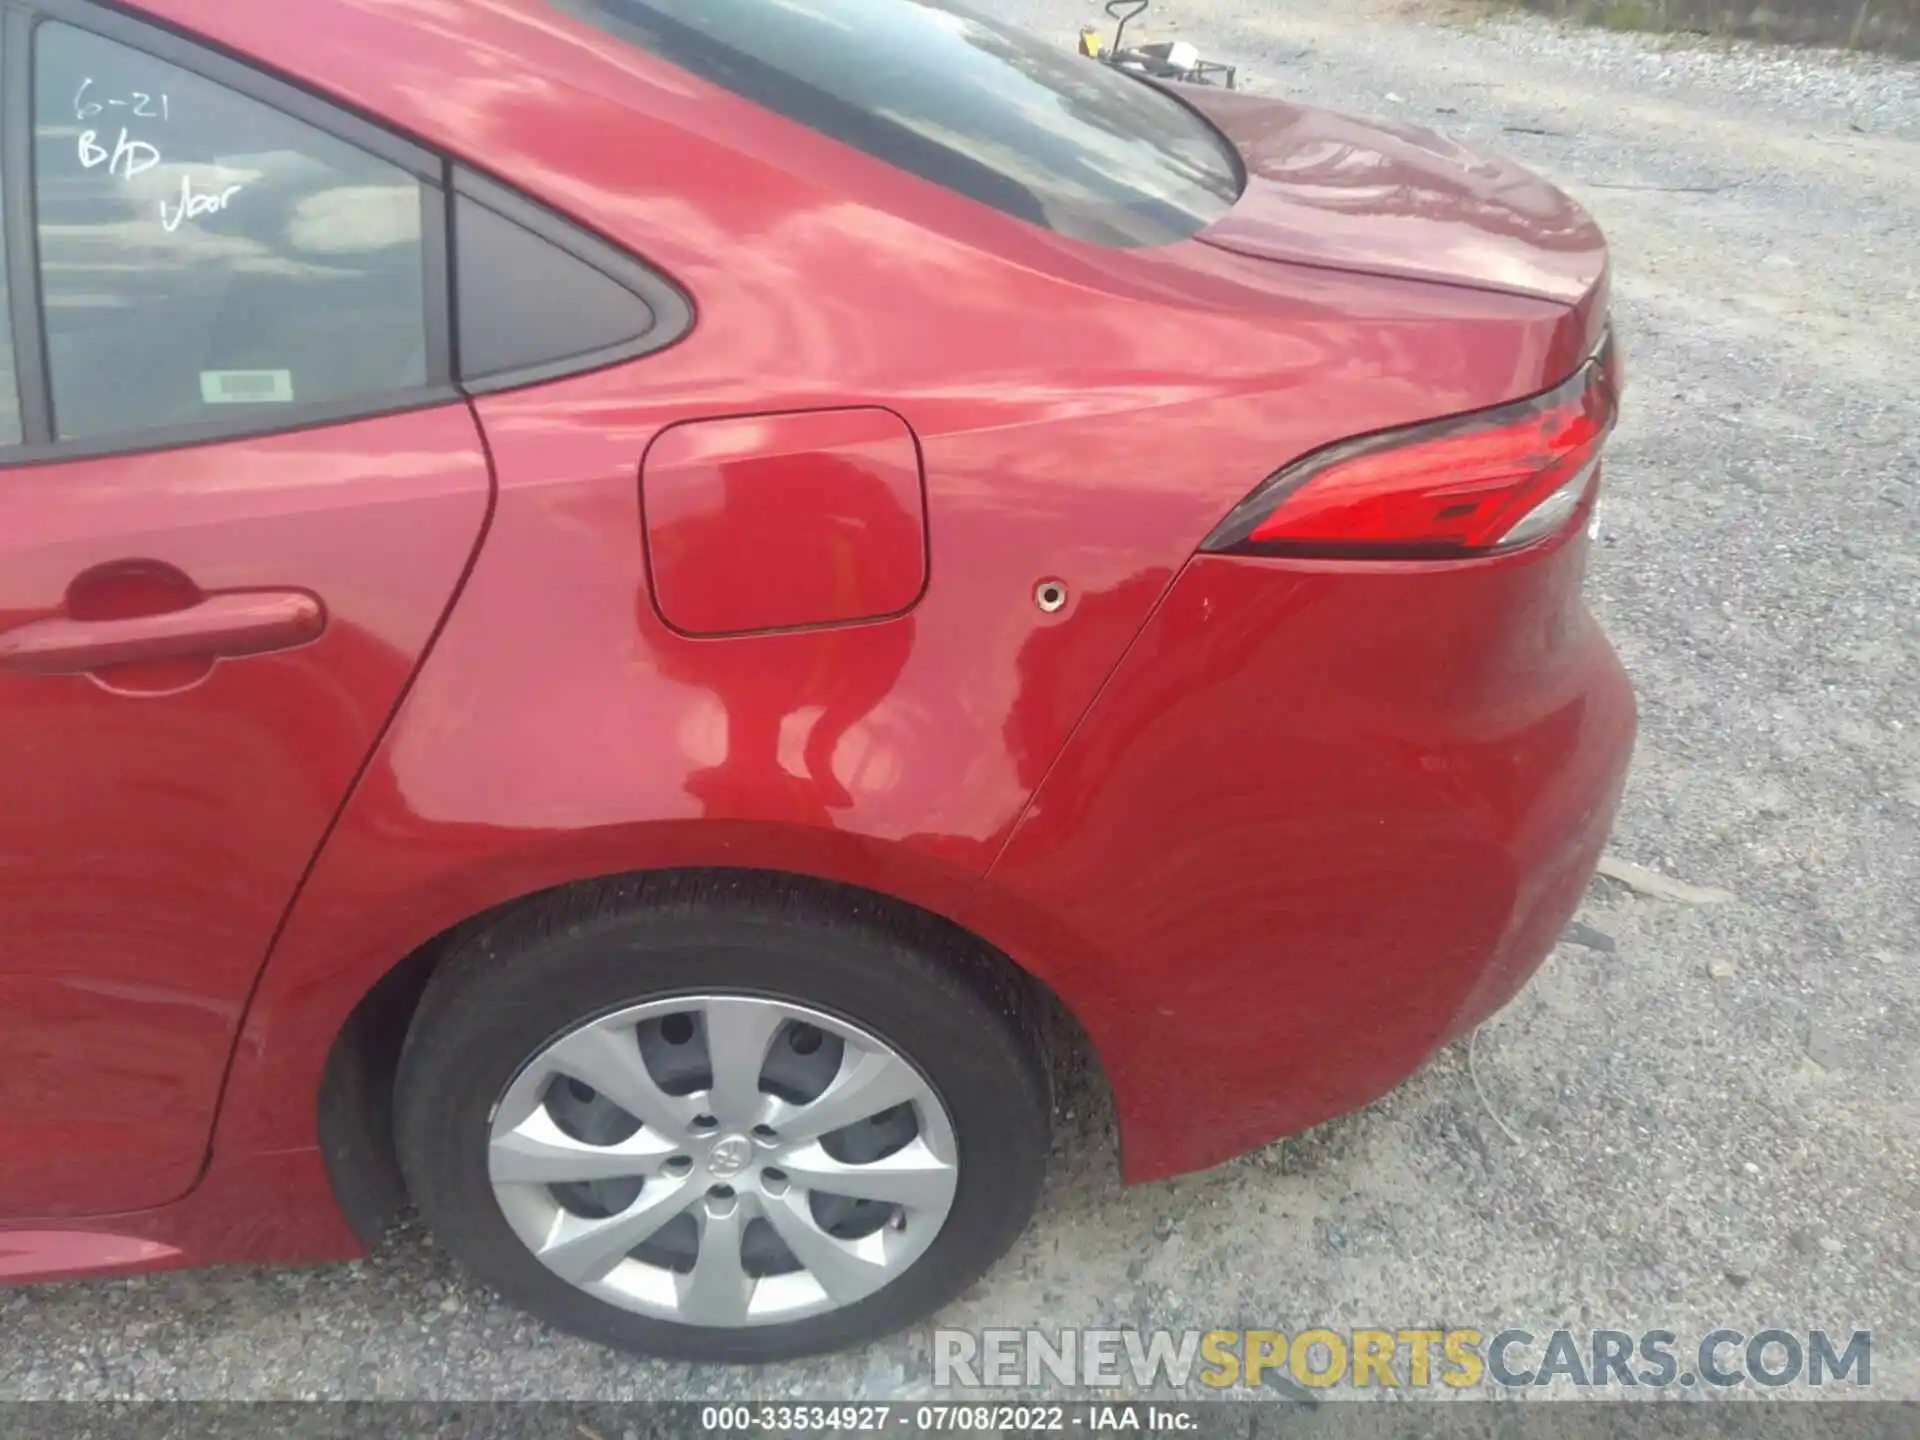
(720, 1122)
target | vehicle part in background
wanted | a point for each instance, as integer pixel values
(1164, 60)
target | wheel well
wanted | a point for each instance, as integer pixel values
(356, 1091)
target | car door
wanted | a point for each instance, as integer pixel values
(238, 491)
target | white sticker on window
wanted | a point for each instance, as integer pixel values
(246, 387)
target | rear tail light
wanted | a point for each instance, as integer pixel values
(1470, 485)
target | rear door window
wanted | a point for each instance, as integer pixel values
(205, 258)
(937, 89)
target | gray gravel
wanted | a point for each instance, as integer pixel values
(1714, 1104)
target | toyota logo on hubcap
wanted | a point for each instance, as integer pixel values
(730, 1156)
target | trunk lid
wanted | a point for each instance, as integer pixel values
(1372, 196)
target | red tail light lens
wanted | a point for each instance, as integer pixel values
(1472, 484)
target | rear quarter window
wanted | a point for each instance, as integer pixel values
(938, 90)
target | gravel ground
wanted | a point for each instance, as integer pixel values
(1703, 1114)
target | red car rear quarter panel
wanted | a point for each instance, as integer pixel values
(1324, 817)
(1083, 415)
(561, 730)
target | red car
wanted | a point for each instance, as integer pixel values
(601, 599)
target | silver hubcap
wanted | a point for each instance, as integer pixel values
(723, 1160)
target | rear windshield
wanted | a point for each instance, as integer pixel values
(999, 115)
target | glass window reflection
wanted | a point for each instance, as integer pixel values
(207, 258)
(937, 89)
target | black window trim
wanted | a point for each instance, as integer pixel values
(439, 179)
(22, 235)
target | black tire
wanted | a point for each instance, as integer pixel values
(511, 985)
